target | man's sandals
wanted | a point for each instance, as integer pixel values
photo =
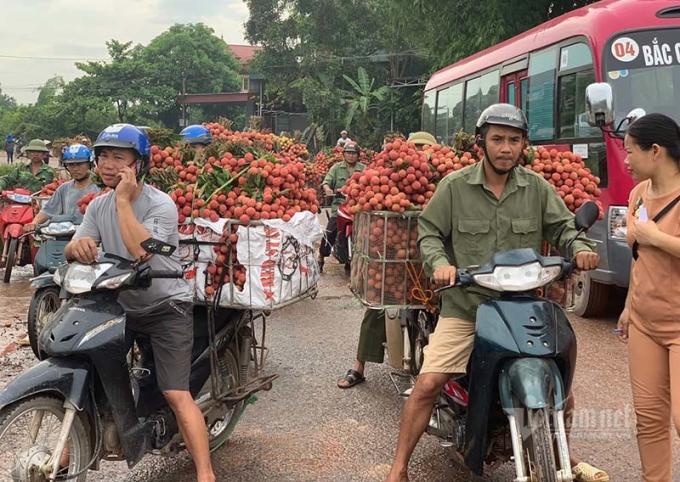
(584, 472)
(351, 378)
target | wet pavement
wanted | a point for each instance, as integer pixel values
(306, 429)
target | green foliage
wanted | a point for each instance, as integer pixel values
(311, 48)
(5, 169)
(138, 85)
(363, 100)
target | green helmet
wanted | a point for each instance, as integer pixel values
(36, 145)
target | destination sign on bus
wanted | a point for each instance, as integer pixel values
(657, 48)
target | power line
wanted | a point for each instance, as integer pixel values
(65, 59)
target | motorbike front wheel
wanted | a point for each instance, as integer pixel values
(539, 442)
(11, 258)
(44, 304)
(29, 431)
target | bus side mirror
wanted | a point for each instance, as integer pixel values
(600, 104)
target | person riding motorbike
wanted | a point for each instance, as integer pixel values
(77, 159)
(490, 206)
(343, 139)
(31, 176)
(336, 178)
(122, 220)
(196, 136)
(372, 335)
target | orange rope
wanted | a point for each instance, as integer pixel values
(419, 293)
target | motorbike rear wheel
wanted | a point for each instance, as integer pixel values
(45, 302)
(22, 457)
(220, 429)
(541, 457)
(11, 258)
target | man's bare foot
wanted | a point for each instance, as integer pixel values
(397, 476)
(207, 478)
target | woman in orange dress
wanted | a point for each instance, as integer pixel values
(650, 322)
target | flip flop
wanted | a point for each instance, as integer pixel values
(352, 377)
(584, 472)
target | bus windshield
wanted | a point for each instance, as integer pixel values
(643, 69)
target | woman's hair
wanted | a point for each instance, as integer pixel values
(657, 129)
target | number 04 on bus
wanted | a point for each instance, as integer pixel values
(578, 77)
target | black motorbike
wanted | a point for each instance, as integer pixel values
(511, 402)
(342, 247)
(94, 398)
(53, 237)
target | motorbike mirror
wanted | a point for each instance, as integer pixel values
(587, 215)
(155, 246)
(635, 114)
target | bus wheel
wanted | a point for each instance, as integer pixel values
(590, 297)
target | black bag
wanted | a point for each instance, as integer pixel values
(656, 219)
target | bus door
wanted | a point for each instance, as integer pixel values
(515, 88)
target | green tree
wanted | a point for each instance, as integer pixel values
(49, 91)
(6, 102)
(363, 100)
(188, 59)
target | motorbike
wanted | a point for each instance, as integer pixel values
(17, 211)
(95, 399)
(520, 371)
(53, 237)
(342, 248)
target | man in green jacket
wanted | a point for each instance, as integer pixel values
(31, 176)
(492, 206)
(335, 179)
(372, 335)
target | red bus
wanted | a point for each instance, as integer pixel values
(632, 45)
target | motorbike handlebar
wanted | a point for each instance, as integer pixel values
(464, 276)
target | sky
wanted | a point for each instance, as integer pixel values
(78, 29)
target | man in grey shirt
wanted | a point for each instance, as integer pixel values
(122, 220)
(77, 160)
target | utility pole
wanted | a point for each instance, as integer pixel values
(184, 99)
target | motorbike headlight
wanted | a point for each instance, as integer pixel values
(518, 278)
(81, 277)
(618, 223)
(20, 198)
(59, 229)
(115, 282)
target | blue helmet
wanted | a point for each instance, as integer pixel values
(126, 136)
(75, 153)
(196, 134)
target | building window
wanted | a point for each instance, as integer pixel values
(246, 83)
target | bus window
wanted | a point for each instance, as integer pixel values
(510, 95)
(573, 121)
(480, 93)
(449, 112)
(573, 56)
(542, 67)
(524, 93)
(428, 111)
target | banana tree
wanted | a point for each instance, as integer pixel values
(363, 99)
